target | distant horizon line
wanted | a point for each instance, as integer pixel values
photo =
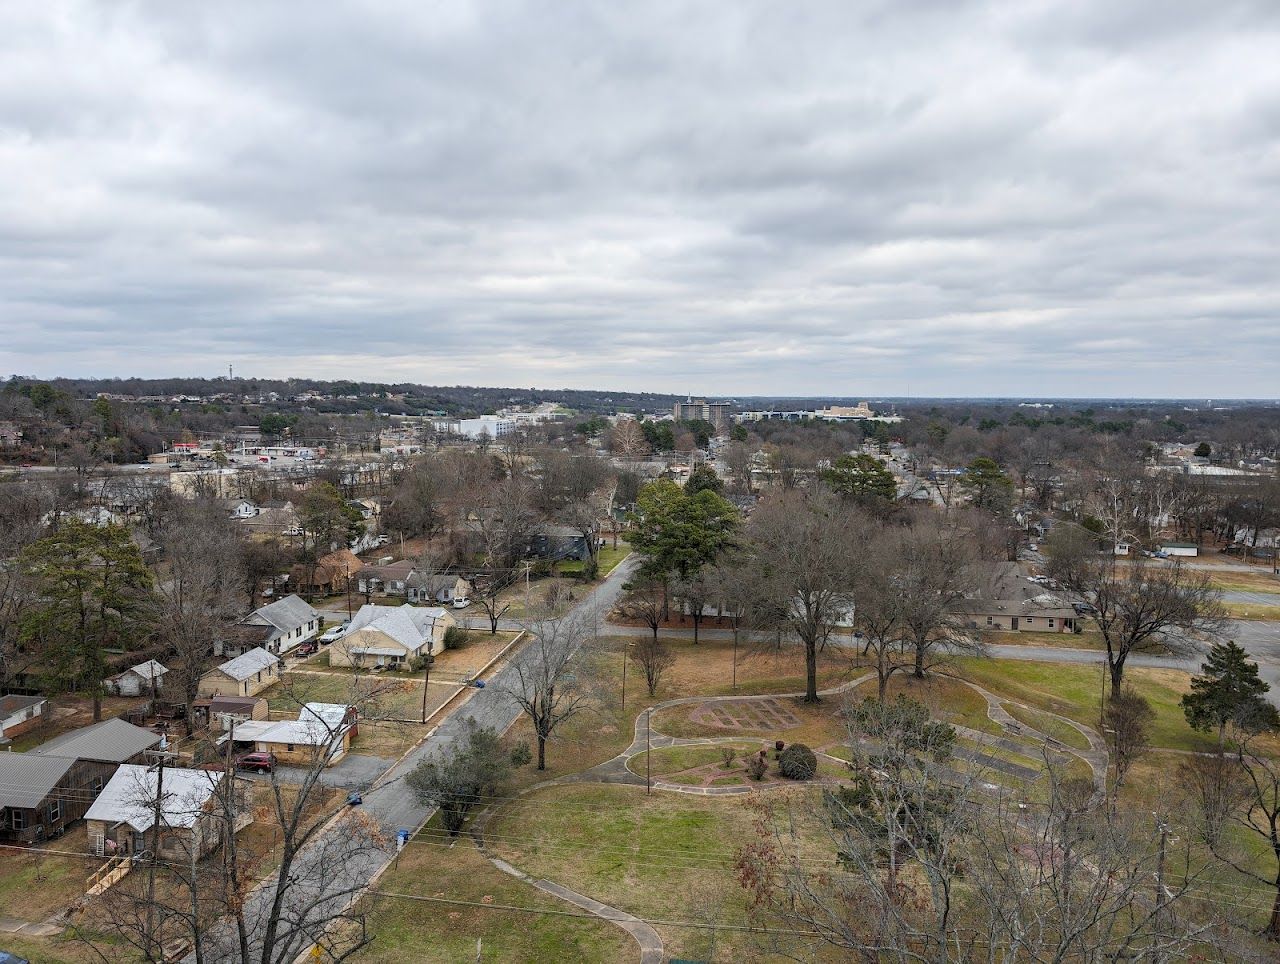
(1202, 399)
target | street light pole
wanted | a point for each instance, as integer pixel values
(648, 778)
(625, 644)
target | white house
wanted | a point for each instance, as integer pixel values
(145, 679)
(277, 627)
(18, 714)
(242, 509)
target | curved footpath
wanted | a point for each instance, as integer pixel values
(617, 771)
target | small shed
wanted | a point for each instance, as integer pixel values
(145, 679)
(1186, 549)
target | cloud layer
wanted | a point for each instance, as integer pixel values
(974, 198)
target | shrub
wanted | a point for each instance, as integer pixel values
(728, 754)
(590, 571)
(798, 762)
(521, 755)
(757, 766)
(455, 637)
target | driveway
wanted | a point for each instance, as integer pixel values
(355, 771)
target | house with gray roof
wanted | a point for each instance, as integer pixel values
(277, 627)
(112, 741)
(41, 795)
(246, 675)
(391, 636)
(18, 714)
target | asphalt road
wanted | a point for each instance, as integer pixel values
(392, 804)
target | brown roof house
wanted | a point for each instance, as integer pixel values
(329, 574)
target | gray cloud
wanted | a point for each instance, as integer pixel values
(962, 198)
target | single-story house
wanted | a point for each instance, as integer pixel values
(329, 574)
(391, 636)
(389, 579)
(241, 509)
(122, 819)
(368, 508)
(216, 712)
(20, 714)
(321, 731)
(277, 627)
(1180, 549)
(246, 675)
(417, 585)
(112, 741)
(274, 520)
(145, 679)
(41, 795)
(1016, 615)
(440, 587)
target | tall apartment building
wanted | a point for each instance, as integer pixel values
(718, 414)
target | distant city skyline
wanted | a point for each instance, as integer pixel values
(973, 199)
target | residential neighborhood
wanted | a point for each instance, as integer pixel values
(670, 483)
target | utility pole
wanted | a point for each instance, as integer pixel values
(625, 644)
(157, 815)
(1157, 957)
(426, 681)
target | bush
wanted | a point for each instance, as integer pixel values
(521, 755)
(758, 766)
(798, 762)
(590, 571)
(728, 754)
(455, 637)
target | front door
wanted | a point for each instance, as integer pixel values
(1015, 622)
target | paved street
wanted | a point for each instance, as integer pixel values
(392, 804)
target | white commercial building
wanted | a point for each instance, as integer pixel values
(492, 425)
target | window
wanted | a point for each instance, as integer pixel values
(19, 819)
(988, 620)
(1030, 620)
(55, 811)
(1051, 622)
(289, 747)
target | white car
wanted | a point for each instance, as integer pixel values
(334, 634)
(461, 602)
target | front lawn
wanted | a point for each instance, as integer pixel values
(406, 929)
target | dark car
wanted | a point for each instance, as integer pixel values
(307, 649)
(261, 762)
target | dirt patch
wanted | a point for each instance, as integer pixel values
(745, 715)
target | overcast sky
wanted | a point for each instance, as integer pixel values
(934, 198)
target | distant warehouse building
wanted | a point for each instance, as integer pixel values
(1180, 548)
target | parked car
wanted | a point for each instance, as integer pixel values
(384, 540)
(461, 602)
(261, 762)
(334, 634)
(309, 648)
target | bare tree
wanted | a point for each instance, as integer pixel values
(802, 557)
(653, 658)
(1136, 606)
(644, 600)
(1128, 720)
(201, 594)
(487, 591)
(541, 684)
(934, 570)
